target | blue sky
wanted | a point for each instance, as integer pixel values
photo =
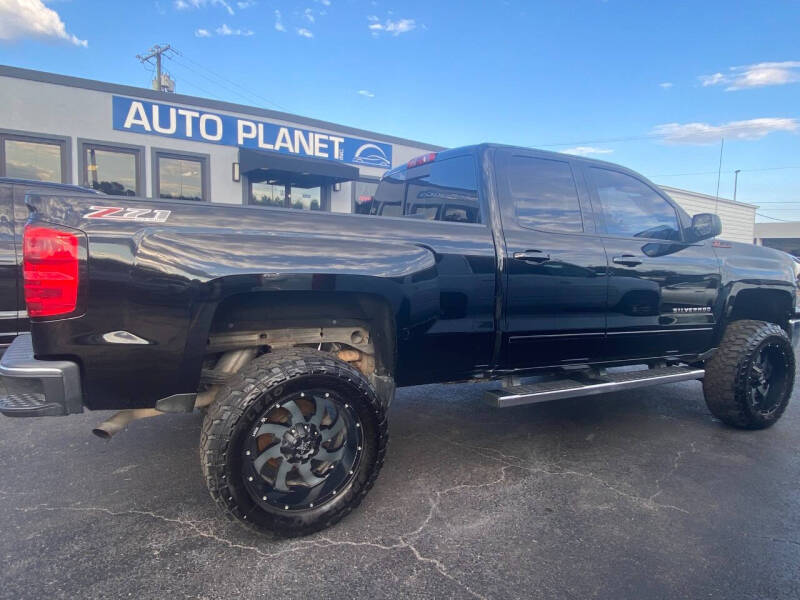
(651, 85)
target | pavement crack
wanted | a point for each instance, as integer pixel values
(516, 462)
(301, 545)
(675, 464)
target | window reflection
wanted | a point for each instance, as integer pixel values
(272, 193)
(448, 191)
(544, 194)
(364, 196)
(111, 171)
(633, 209)
(180, 178)
(33, 160)
(305, 198)
(264, 193)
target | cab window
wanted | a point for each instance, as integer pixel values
(443, 190)
(631, 208)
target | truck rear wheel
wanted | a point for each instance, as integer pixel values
(293, 442)
(748, 381)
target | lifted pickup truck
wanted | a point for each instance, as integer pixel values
(292, 329)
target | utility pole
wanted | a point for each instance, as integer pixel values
(735, 182)
(156, 52)
(719, 174)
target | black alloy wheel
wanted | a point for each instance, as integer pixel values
(302, 450)
(748, 381)
(767, 373)
(293, 442)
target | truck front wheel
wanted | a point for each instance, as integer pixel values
(748, 381)
(293, 442)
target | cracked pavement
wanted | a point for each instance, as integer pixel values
(637, 494)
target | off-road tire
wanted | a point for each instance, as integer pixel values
(726, 382)
(230, 419)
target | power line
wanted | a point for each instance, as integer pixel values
(227, 80)
(605, 141)
(725, 172)
(773, 218)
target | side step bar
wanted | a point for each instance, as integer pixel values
(545, 391)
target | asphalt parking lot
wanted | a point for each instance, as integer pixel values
(628, 495)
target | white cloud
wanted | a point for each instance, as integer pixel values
(324, 2)
(366, 93)
(704, 133)
(303, 32)
(390, 26)
(225, 30)
(586, 150)
(756, 75)
(665, 85)
(279, 21)
(201, 33)
(31, 18)
(195, 4)
(246, 4)
(308, 14)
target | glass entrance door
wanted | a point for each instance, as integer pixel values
(266, 193)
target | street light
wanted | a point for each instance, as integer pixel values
(735, 182)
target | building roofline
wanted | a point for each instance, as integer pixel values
(129, 90)
(707, 196)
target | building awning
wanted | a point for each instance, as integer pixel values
(300, 171)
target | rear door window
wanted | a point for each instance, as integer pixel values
(544, 194)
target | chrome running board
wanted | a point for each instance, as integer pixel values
(546, 391)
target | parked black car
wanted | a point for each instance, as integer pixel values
(293, 328)
(13, 214)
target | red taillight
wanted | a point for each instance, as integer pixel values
(50, 270)
(421, 160)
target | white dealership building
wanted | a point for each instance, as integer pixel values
(141, 142)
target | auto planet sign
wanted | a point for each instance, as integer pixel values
(178, 122)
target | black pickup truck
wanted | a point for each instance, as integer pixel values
(554, 274)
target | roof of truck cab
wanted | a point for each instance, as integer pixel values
(477, 148)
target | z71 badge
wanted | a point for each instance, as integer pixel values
(116, 213)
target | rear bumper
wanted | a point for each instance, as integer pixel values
(38, 388)
(794, 332)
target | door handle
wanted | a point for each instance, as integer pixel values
(534, 256)
(629, 260)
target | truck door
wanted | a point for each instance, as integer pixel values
(662, 290)
(8, 267)
(555, 265)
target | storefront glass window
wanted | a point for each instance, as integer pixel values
(33, 160)
(263, 193)
(306, 198)
(111, 171)
(364, 196)
(180, 178)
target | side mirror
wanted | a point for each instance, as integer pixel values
(705, 226)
